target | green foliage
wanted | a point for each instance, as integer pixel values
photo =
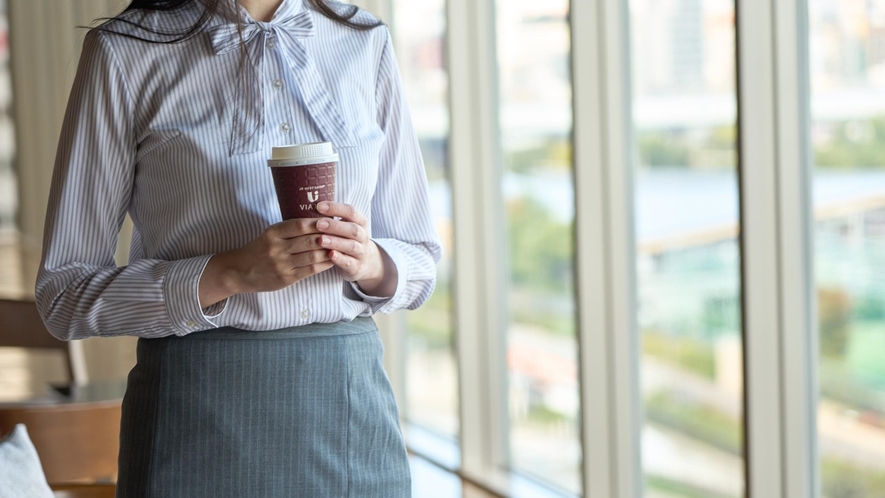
(869, 308)
(838, 382)
(678, 488)
(864, 360)
(834, 317)
(854, 144)
(712, 148)
(558, 324)
(556, 152)
(540, 414)
(432, 322)
(662, 149)
(850, 144)
(722, 315)
(698, 421)
(540, 247)
(842, 479)
(723, 137)
(686, 352)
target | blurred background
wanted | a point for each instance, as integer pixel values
(683, 106)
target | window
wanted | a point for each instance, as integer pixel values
(687, 189)
(847, 60)
(537, 189)
(688, 256)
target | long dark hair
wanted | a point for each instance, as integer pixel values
(343, 15)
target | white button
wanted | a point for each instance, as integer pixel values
(270, 44)
(285, 127)
(305, 313)
(278, 83)
(191, 324)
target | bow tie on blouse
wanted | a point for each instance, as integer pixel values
(247, 132)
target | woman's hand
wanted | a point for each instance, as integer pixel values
(357, 257)
(284, 254)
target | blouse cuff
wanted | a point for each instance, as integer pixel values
(387, 304)
(182, 291)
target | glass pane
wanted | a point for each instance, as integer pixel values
(688, 257)
(848, 138)
(431, 370)
(533, 50)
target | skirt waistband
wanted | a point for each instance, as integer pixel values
(359, 325)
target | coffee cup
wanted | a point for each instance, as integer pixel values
(304, 176)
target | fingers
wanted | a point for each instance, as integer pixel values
(349, 247)
(292, 250)
(299, 244)
(343, 211)
(292, 228)
(306, 259)
(303, 265)
(303, 272)
(343, 229)
(349, 266)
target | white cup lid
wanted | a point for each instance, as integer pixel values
(302, 154)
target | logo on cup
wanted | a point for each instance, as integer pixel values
(303, 175)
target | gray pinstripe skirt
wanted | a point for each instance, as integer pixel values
(300, 412)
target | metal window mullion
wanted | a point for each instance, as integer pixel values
(477, 295)
(392, 328)
(759, 250)
(775, 245)
(622, 252)
(798, 325)
(394, 337)
(605, 249)
(599, 455)
(493, 233)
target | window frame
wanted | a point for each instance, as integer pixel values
(776, 248)
(478, 271)
(605, 252)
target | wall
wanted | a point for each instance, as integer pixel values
(44, 49)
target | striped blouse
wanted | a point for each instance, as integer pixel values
(171, 135)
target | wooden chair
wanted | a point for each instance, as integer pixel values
(77, 442)
(22, 327)
(84, 491)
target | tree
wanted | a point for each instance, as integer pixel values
(540, 247)
(853, 144)
(834, 315)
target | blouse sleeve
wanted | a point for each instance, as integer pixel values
(401, 222)
(80, 290)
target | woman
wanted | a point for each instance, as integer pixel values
(259, 368)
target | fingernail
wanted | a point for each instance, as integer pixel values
(323, 206)
(322, 224)
(324, 241)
